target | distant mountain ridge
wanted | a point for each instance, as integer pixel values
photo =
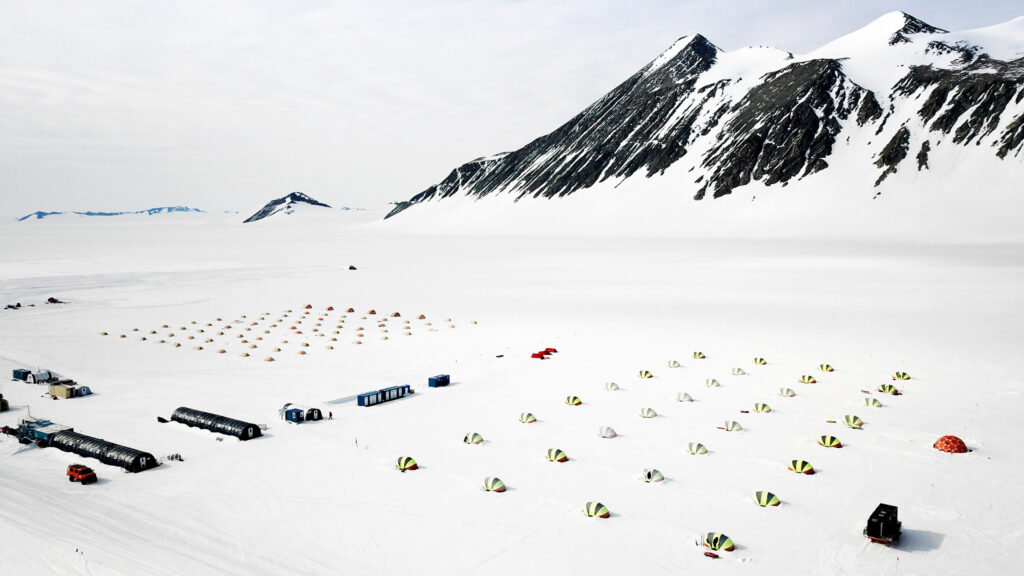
(898, 87)
(285, 205)
(39, 215)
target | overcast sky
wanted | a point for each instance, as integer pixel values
(228, 104)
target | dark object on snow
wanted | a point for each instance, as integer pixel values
(52, 300)
(884, 525)
(21, 374)
(162, 420)
(12, 306)
(216, 423)
(439, 380)
(351, 267)
(4, 405)
(711, 555)
(383, 395)
(314, 414)
(130, 459)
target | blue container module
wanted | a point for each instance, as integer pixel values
(439, 380)
(383, 395)
(21, 374)
(294, 415)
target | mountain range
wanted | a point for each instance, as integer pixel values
(880, 101)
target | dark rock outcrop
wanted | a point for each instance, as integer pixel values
(285, 204)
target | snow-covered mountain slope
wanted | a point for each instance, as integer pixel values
(879, 101)
(39, 215)
(285, 205)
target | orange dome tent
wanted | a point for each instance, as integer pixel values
(950, 444)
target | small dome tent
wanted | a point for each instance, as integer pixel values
(606, 432)
(673, 364)
(699, 355)
(765, 498)
(801, 467)
(711, 383)
(473, 438)
(653, 475)
(760, 361)
(826, 368)
(596, 510)
(492, 484)
(732, 426)
(889, 389)
(684, 397)
(717, 541)
(406, 463)
(645, 374)
(873, 402)
(786, 392)
(738, 372)
(648, 413)
(527, 418)
(853, 421)
(950, 444)
(901, 376)
(556, 455)
(761, 407)
(808, 379)
(829, 442)
(611, 386)
(573, 400)
(696, 448)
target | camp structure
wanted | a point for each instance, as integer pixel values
(760, 361)
(527, 418)
(873, 402)
(764, 498)
(292, 414)
(41, 377)
(645, 374)
(108, 453)
(684, 397)
(556, 455)
(696, 448)
(829, 442)
(699, 355)
(761, 407)
(738, 372)
(732, 426)
(826, 368)
(653, 475)
(611, 386)
(853, 421)
(216, 423)
(473, 438)
(606, 432)
(950, 444)
(648, 413)
(21, 374)
(712, 383)
(4, 404)
(573, 400)
(786, 392)
(313, 414)
(62, 391)
(674, 364)
(493, 484)
(383, 395)
(884, 525)
(717, 541)
(406, 463)
(889, 389)
(901, 376)
(801, 467)
(596, 510)
(808, 379)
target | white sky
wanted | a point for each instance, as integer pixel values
(228, 104)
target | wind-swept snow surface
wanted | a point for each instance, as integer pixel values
(325, 498)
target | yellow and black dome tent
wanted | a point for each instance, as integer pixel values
(826, 368)
(699, 355)
(829, 442)
(762, 407)
(732, 426)
(473, 438)
(645, 374)
(901, 376)
(596, 510)
(556, 455)
(573, 400)
(673, 364)
(786, 392)
(611, 386)
(853, 421)
(808, 379)
(801, 467)
(653, 475)
(873, 402)
(889, 389)
(760, 361)
(717, 541)
(406, 463)
(765, 498)
(492, 484)
(527, 418)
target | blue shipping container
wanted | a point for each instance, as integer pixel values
(439, 380)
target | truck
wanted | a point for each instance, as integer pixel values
(82, 474)
(884, 526)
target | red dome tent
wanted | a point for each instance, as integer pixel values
(950, 444)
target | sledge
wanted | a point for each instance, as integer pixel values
(744, 411)
(830, 421)
(720, 427)
(866, 391)
(711, 555)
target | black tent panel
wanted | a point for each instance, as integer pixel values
(216, 423)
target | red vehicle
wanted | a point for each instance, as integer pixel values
(83, 474)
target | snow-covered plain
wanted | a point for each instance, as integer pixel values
(324, 497)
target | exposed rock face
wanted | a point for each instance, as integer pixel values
(285, 204)
(780, 125)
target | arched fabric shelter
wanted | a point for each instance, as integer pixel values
(712, 383)
(596, 510)
(889, 389)
(684, 397)
(732, 426)
(717, 541)
(801, 467)
(786, 392)
(853, 421)
(611, 386)
(406, 463)
(645, 374)
(696, 448)
(653, 475)
(648, 413)
(556, 455)
(606, 432)
(762, 407)
(216, 423)
(808, 379)
(765, 498)
(527, 418)
(826, 368)
(950, 444)
(573, 400)
(873, 402)
(699, 355)
(829, 442)
(473, 438)
(738, 372)
(901, 376)
(760, 361)
(108, 453)
(492, 484)
(674, 364)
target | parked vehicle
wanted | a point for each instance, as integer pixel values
(82, 474)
